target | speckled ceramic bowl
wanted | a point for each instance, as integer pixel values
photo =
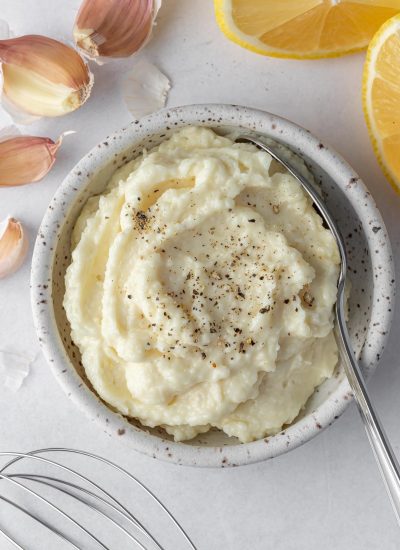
(371, 272)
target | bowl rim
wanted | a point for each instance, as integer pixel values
(42, 265)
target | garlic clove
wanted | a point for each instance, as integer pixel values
(16, 113)
(13, 246)
(26, 159)
(145, 89)
(114, 28)
(42, 76)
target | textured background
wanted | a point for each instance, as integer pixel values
(327, 494)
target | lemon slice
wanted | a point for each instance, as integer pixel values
(381, 97)
(303, 28)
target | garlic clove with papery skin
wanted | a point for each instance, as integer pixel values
(114, 28)
(26, 159)
(13, 246)
(42, 76)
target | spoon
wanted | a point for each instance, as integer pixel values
(385, 457)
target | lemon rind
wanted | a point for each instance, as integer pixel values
(369, 73)
(254, 45)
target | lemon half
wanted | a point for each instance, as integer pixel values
(303, 28)
(381, 98)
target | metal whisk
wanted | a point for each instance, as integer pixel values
(63, 505)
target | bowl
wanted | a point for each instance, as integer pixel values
(370, 261)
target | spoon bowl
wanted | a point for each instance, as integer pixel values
(383, 451)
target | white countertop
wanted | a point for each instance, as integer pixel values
(327, 494)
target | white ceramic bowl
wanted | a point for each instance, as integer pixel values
(371, 271)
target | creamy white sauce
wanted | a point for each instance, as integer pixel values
(201, 290)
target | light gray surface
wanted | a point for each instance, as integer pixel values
(325, 494)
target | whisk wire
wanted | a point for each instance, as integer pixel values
(45, 480)
(32, 455)
(133, 478)
(3, 532)
(54, 507)
(38, 520)
(90, 498)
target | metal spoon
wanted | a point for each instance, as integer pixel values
(385, 457)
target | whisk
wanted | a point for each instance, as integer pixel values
(64, 505)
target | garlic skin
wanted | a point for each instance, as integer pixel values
(42, 76)
(14, 368)
(5, 31)
(13, 246)
(114, 28)
(26, 159)
(145, 89)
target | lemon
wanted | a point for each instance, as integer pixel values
(381, 97)
(303, 28)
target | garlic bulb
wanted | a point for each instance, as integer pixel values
(114, 28)
(42, 76)
(13, 246)
(25, 159)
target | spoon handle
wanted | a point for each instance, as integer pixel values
(383, 451)
(385, 457)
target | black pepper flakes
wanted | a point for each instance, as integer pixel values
(308, 298)
(141, 220)
(240, 293)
